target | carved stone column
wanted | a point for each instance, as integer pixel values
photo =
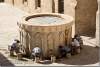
(9, 1)
(32, 5)
(98, 25)
(46, 6)
(69, 9)
(56, 6)
(18, 3)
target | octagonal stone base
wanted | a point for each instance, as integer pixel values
(46, 36)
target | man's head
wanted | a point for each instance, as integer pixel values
(72, 39)
(60, 46)
(77, 35)
(16, 40)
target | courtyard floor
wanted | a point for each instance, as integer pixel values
(9, 16)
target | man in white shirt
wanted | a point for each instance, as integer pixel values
(75, 46)
(76, 43)
(36, 52)
(79, 39)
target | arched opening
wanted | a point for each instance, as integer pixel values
(25, 2)
(50, 41)
(38, 40)
(13, 2)
(60, 6)
(38, 3)
(1, 0)
(53, 6)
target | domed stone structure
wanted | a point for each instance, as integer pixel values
(47, 31)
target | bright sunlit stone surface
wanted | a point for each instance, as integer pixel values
(45, 20)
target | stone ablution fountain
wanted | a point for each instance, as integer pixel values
(48, 31)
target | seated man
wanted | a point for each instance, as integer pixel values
(75, 46)
(36, 53)
(68, 51)
(63, 50)
(14, 47)
(51, 55)
(77, 37)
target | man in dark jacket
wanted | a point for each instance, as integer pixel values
(63, 50)
(14, 47)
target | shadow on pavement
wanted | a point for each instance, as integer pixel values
(4, 61)
(89, 55)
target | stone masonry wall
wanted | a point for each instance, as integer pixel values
(85, 18)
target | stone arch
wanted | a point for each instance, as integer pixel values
(62, 38)
(50, 41)
(38, 39)
(66, 36)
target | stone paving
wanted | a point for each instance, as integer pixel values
(9, 16)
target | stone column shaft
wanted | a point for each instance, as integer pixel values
(69, 9)
(98, 26)
(56, 6)
(32, 5)
(9, 1)
(46, 6)
(18, 2)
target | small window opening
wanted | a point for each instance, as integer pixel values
(38, 3)
(61, 6)
(1, 0)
